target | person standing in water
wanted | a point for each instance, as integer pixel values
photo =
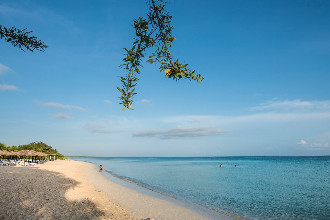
(101, 168)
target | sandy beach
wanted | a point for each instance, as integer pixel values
(54, 190)
(67, 189)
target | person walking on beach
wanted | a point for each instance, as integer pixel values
(101, 168)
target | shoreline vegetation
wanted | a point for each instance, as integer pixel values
(68, 189)
(33, 146)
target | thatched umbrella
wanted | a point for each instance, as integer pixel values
(8, 153)
(28, 153)
(12, 153)
(42, 154)
(3, 153)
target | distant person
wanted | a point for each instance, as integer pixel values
(235, 165)
(220, 165)
(101, 168)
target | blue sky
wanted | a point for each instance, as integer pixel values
(266, 89)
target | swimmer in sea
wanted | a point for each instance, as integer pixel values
(101, 168)
(220, 165)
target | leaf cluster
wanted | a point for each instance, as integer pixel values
(155, 31)
(21, 39)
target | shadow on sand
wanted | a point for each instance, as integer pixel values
(32, 193)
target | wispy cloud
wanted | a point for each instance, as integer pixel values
(62, 116)
(96, 128)
(36, 12)
(108, 101)
(145, 101)
(4, 69)
(215, 120)
(11, 11)
(318, 146)
(296, 104)
(59, 105)
(4, 87)
(280, 111)
(180, 132)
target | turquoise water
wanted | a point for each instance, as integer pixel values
(257, 188)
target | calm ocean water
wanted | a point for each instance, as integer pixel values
(257, 188)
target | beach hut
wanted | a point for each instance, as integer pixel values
(52, 156)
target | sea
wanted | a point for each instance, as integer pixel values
(244, 187)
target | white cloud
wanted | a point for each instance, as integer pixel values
(303, 142)
(4, 87)
(297, 104)
(62, 116)
(180, 132)
(4, 69)
(59, 105)
(96, 128)
(108, 101)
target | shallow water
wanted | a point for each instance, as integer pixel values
(257, 188)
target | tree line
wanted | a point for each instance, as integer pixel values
(36, 146)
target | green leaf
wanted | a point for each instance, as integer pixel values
(120, 90)
(150, 61)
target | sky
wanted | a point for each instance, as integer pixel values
(266, 90)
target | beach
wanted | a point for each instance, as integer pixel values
(68, 189)
(256, 188)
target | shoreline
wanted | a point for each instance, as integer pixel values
(142, 202)
(207, 212)
(71, 189)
